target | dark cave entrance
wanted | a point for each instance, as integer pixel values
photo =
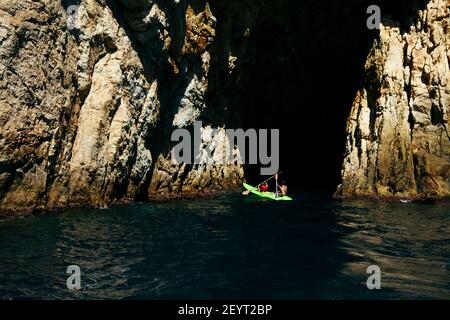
(307, 59)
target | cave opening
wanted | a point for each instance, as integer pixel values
(306, 60)
(298, 65)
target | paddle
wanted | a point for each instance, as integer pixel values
(247, 192)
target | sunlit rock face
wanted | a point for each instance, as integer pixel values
(88, 105)
(76, 107)
(86, 110)
(398, 134)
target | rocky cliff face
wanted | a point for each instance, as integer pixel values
(398, 134)
(87, 107)
(88, 101)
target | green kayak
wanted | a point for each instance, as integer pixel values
(269, 195)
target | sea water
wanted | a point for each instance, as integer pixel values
(230, 247)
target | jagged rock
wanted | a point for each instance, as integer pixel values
(398, 142)
(87, 111)
(142, 19)
(80, 108)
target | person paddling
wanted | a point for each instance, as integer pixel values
(263, 187)
(281, 188)
(262, 190)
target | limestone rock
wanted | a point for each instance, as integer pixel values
(88, 102)
(398, 138)
(86, 110)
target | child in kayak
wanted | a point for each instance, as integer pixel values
(264, 187)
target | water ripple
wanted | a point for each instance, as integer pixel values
(230, 247)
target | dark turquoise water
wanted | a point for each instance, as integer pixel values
(231, 247)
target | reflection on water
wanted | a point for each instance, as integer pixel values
(410, 242)
(231, 247)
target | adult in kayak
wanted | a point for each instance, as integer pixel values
(263, 189)
(282, 187)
